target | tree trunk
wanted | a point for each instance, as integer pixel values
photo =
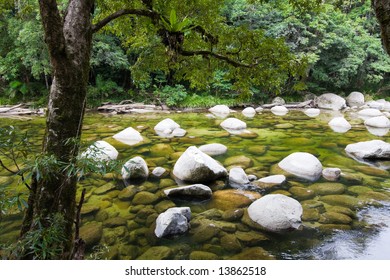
(382, 11)
(69, 40)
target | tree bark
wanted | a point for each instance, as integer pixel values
(382, 11)
(69, 40)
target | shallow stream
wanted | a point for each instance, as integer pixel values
(352, 222)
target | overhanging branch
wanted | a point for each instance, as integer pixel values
(139, 12)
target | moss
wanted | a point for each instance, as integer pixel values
(301, 193)
(256, 253)
(201, 255)
(156, 253)
(145, 198)
(328, 188)
(343, 200)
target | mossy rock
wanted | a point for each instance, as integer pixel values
(343, 200)
(149, 187)
(283, 192)
(372, 196)
(132, 225)
(241, 161)
(114, 222)
(175, 156)
(310, 215)
(233, 215)
(299, 141)
(342, 210)
(333, 227)
(129, 252)
(335, 218)
(230, 243)
(105, 188)
(256, 253)
(88, 209)
(203, 232)
(284, 125)
(164, 205)
(201, 255)
(145, 212)
(156, 253)
(158, 161)
(232, 199)
(145, 198)
(91, 233)
(213, 248)
(327, 188)
(246, 220)
(301, 193)
(165, 183)
(257, 150)
(359, 189)
(161, 150)
(251, 238)
(212, 214)
(372, 171)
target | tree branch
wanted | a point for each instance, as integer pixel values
(218, 56)
(146, 13)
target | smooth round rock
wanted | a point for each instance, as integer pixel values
(303, 165)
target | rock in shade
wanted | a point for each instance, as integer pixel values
(330, 101)
(249, 112)
(374, 149)
(312, 112)
(259, 109)
(238, 178)
(233, 124)
(196, 191)
(355, 98)
(276, 213)
(303, 165)
(173, 221)
(340, 125)
(197, 167)
(380, 122)
(135, 168)
(214, 149)
(331, 174)
(279, 110)
(101, 151)
(129, 136)
(220, 110)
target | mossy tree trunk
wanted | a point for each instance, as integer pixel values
(69, 38)
(382, 11)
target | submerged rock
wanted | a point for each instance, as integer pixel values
(197, 167)
(197, 191)
(241, 161)
(135, 168)
(214, 149)
(380, 122)
(330, 101)
(327, 188)
(303, 165)
(173, 221)
(156, 253)
(276, 213)
(233, 199)
(340, 125)
(91, 233)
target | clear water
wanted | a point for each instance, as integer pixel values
(126, 228)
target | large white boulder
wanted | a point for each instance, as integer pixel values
(135, 168)
(370, 113)
(312, 112)
(330, 101)
(197, 167)
(220, 111)
(173, 221)
(169, 128)
(375, 104)
(101, 151)
(302, 165)
(129, 136)
(213, 149)
(355, 98)
(249, 112)
(197, 191)
(276, 213)
(381, 122)
(233, 124)
(374, 149)
(238, 178)
(340, 124)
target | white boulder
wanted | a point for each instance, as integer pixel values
(370, 113)
(238, 178)
(173, 221)
(233, 124)
(340, 124)
(135, 168)
(276, 213)
(249, 112)
(355, 98)
(197, 167)
(302, 165)
(312, 112)
(220, 111)
(331, 174)
(279, 110)
(213, 149)
(169, 128)
(330, 101)
(159, 171)
(129, 136)
(380, 122)
(259, 109)
(278, 100)
(101, 151)
(375, 104)
(374, 149)
(197, 191)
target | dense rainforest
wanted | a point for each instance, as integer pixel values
(337, 47)
(74, 54)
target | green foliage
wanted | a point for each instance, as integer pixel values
(207, 101)
(104, 90)
(171, 96)
(175, 25)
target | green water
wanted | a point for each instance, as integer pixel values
(120, 222)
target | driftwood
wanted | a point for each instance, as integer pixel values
(129, 108)
(303, 104)
(19, 110)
